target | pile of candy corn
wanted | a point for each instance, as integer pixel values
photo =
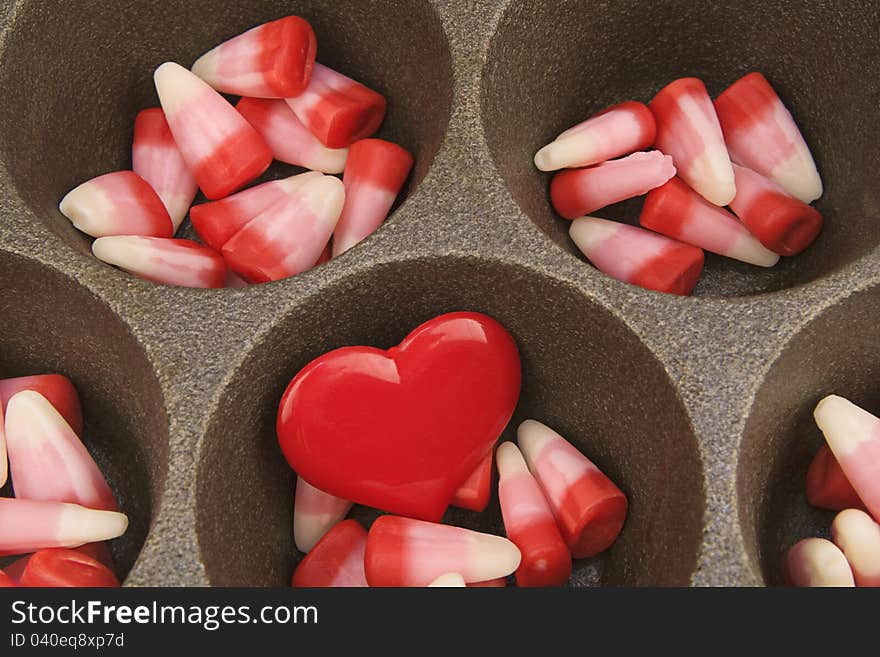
(844, 476)
(63, 509)
(743, 151)
(555, 503)
(292, 109)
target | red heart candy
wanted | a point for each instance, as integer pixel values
(400, 430)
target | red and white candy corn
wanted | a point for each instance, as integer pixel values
(637, 256)
(448, 580)
(272, 60)
(577, 192)
(529, 523)
(338, 110)
(163, 260)
(31, 525)
(858, 536)
(853, 435)
(289, 236)
(677, 211)
(314, 513)
(615, 131)
(374, 175)
(816, 562)
(57, 388)
(118, 203)
(336, 560)
(156, 158)
(217, 221)
(288, 138)
(47, 459)
(221, 148)
(762, 135)
(474, 493)
(688, 130)
(406, 552)
(60, 567)
(784, 224)
(590, 510)
(827, 486)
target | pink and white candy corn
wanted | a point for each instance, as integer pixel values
(474, 493)
(156, 158)
(314, 513)
(272, 60)
(406, 552)
(217, 221)
(762, 135)
(635, 255)
(577, 192)
(858, 536)
(816, 562)
(853, 435)
(336, 560)
(288, 138)
(221, 148)
(31, 525)
(47, 459)
(677, 211)
(374, 175)
(449, 580)
(688, 130)
(338, 110)
(615, 131)
(590, 510)
(57, 388)
(784, 224)
(529, 523)
(289, 236)
(163, 260)
(118, 203)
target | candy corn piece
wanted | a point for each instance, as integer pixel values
(577, 192)
(615, 131)
(784, 224)
(4, 471)
(338, 110)
(677, 211)
(638, 256)
(289, 236)
(688, 130)
(448, 580)
(473, 494)
(118, 203)
(216, 222)
(97, 551)
(762, 135)
(31, 525)
(590, 510)
(314, 513)
(163, 260)
(374, 175)
(272, 60)
(406, 552)
(858, 536)
(816, 562)
(529, 523)
(221, 148)
(827, 486)
(57, 388)
(497, 583)
(48, 460)
(6, 582)
(59, 567)
(853, 435)
(336, 560)
(156, 158)
(288, 138)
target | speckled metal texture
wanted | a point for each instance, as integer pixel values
(698, 407)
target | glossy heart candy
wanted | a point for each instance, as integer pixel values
(400, 430)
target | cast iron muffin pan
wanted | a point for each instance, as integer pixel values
(699, 408)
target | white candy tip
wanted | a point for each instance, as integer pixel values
(532, 436)
(496, 556)
(509, 460)
(80, 525)
(844, 424)
(448, 580)
(818, 562)
(543, 160)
